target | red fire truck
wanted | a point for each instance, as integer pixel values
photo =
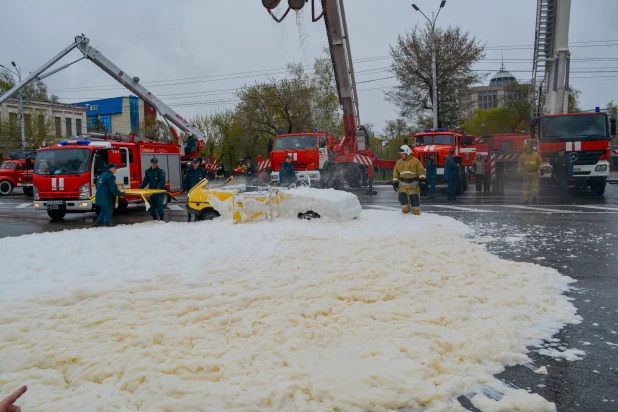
(16, 171)
(440, 142)
(65, 175)
(319, 156)
(585, 137)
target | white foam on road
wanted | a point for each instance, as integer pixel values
(378, 313)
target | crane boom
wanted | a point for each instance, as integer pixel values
(82, 43)
(341, 56)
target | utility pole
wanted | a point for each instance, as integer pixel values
(17, 72)
(434, 67)
(21, 110)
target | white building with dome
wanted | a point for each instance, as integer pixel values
(488, 97)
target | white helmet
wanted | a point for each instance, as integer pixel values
(405, 149)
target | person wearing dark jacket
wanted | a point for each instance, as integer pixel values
(154, 178)
(562, 169)
(190, 145)
(287, 176)
(251, 172)
(193, 175)
(431, 171)
(104, 199)
(450, 174)
(487, 177)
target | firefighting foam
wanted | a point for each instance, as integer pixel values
(377, 313)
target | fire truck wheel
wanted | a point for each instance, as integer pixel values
(598, 188)
(56, 214)
(6, 187)
(28, 191)
(354, 177)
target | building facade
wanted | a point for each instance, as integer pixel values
(68, 120)
(501, 88)
(117, 114)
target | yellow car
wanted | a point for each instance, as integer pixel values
(249, 203)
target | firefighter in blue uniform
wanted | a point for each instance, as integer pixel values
(287, 176)
(154, 178)
(104, 199)
(562, 169)
(193, 175)
(432, 174)
(450, 174)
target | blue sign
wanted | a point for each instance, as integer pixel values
(467, 156)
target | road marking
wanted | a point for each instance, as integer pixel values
(465, 209)
(175, 207)
(23, 205)
(383, 207)
(543, 209)
(599, 207)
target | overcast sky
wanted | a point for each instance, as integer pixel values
(193, 53)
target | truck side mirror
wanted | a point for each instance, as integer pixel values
(612, 127)
(270, 145)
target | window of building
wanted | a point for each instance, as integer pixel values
(41, 123)
(13, 122)
(69, 129)
(58, 124)
(106, 122)
(488, 99)
(91, 123)
(28, 124)
(78, 127)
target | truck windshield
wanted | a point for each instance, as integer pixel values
(434, 139)
(62, 161)
(7, 165)
(296, 142)
(578, 127)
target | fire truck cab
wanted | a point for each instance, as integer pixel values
(16, 171)
(309, 153)
(440, 142)
(65, 175)
(585, 137)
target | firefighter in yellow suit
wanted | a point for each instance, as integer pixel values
(529, 164)
(407, 178)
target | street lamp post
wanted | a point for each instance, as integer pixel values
(434, 69)
(21, 104)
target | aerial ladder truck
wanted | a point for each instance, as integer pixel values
(82, 43)
(319, 156)
(65, 175)
(585, 136)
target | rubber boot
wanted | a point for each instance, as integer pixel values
(154, 218)
(161, 218)
(188, 218)
(405, 209)
(416, 211)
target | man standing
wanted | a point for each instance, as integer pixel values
(529, 164)
(432, 174)
(154, 178)
(190, 145)
(287, 176)
(487, 179)
(407, 176)
(479, 172)
(251, 171)
(220, 171)
(104, 199)
(450, 174)
(562, 169)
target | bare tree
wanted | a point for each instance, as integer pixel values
(456, 53)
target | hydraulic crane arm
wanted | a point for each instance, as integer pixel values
(341, 55)
(132, 83)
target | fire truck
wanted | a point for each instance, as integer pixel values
(65, 175)
(584, 136)
(16, 171)
(319, 156)
(440, 142)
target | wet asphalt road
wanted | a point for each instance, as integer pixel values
(580, 239)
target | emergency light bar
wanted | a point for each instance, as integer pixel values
(79, 142)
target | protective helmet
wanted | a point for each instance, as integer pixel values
(405, 149)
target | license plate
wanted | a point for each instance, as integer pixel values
(577, 169)
(53, 207)
(55, 202)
